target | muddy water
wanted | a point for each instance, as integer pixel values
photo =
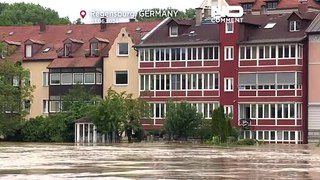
(157, 161)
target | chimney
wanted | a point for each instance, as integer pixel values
(263, 9)
(207, 12)
(132, 20)
(198, 16)
(303, 7)
(43, 27)
(103, 25)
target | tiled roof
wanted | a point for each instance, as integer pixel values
(75, 62)
(282, 4)
(192, 34)
(252, 31)
(279, 33)
(54, 36)
(314, 26)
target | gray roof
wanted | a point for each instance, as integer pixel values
(284, 40)
(314, 26)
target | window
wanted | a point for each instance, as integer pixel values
(77, 78)
(159, 111)
(94, 49)
(228, 110)
(45, 79)
(175, 82)
(247, 81)
(98, 78)
(229, 27)
(228, 53)
(294, 26)
(228, 84)
(173, 31)
(54, 106)
(55, 79)
(121, 77)
(247, 7)
(28, 51)
(271, 4)
(66, 78)
(269, 25)
(89, 78)
(123, 49)
(45, 106)
(67, 49)
(15, 81)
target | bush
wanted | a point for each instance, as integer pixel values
(247, 142)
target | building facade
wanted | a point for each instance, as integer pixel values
(255, 69)
(313, 82)
(59, 57)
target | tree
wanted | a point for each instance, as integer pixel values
(182, 120)
(187, 14)
(117, 113)
(221, 125)
(15, 96)
(78, 21)
(136, 109)
(28, 14)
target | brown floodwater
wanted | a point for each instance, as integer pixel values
(157, 161)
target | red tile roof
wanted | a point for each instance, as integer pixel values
(54, 36)
(77, 62)
(283, 4)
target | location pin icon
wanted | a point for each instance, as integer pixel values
(83, 13)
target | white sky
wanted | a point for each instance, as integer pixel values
(72, 8)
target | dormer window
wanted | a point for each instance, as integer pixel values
(28, 51)
(173, 31)
(94, 49)
(247, 7)
(271, 4)
(294, 26)
(67, 49)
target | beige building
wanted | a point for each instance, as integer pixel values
(314, 82)
(122, 65)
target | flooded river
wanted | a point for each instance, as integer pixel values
(157, 161)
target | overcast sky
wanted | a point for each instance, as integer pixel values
(72, 8)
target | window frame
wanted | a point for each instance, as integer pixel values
(294, 24)
(84, 78)
(61, 75)
(118, 49)
(227, 31)
(73, 76)
(28, 52)
(228, 53)
(228, 87)
(115, 77)
(55, 84)
(176, 34)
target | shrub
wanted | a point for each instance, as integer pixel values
(247, 142)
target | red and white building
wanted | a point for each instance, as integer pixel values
(256, 69)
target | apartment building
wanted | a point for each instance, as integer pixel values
(275, 6)
(256, 70)
(313, 81)
(96, 56)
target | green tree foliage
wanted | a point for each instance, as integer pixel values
(59, 127)
(119, 112)
(78, 21)
(221, 125)
(182, 120)
(187, 14)
(15, 92)
(28, 14)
